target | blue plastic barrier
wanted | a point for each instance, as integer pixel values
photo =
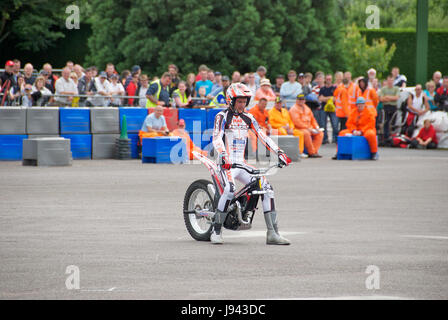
(134, 118)
(353, 148)
(164, 150)
(11, 146)
(80, 145)
(195, 119)
(211, 114)
(74, 120)
(134, 144)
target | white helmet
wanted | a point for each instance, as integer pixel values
(237, 90)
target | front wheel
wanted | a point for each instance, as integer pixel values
(198, 197)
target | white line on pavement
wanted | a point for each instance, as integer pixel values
(426, 237)
(256, 234)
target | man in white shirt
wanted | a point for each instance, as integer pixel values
(116, 89)
(65, 85)
(102, 86)
(290, 89)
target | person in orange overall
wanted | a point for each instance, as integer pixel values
(154, 125)
(182, 133)
(352, 89)
(304, 121)
(261, 115)
(361, 122)
(282, 125)
(369, 94)
(341, 99)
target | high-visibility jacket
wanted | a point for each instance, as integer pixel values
(215, 101)
(371, 99)
(341, 102)
(261, 117)
(278, 119)
(149, 103)
(183, 97)
(362, 121)
(352, 91)
(302, 118)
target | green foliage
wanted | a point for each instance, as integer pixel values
(361, 56)
(227, 36)
(405, 55)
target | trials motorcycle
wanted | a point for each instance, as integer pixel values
(202, 196)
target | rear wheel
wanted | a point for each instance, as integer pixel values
(198, 197)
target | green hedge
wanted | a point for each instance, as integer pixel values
(405, 55)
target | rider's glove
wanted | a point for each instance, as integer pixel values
(224, 161)
(283, 159)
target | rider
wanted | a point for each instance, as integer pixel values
(229, 140)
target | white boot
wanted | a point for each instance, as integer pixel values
(218, 220)
(272, 235)
(216, 238)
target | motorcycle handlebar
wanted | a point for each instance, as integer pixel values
(254, 171)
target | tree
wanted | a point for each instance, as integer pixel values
(359, 56)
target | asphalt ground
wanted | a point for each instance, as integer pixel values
(359, 230)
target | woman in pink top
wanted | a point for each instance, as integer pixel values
(265, 91)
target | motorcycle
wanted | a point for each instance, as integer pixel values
(202, 196)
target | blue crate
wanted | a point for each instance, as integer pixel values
(195, 119)
(134, 145)
(211, 114)
(80, 145)
(159, 150)
(134, 118)
(353, 148)
(74, 120)
(11, 146)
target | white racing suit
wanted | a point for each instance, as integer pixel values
(229, 139)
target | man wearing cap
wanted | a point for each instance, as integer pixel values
(182, 133)
(290, 89)
(304, 121)
(102, 90)
(135, 70)
(265, 91)
(66, 86)
(7, 81)
(361, 122)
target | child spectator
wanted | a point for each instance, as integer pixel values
(202, 101)
(426, 138)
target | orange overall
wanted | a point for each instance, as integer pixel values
(279, 119)
(190, 145)
(262, 119)
(303, 120)
(371, 99)
(341, 98)
(363, 121)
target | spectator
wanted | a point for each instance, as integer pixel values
(17, 92)
(102, 91)
(437, 78)
(16, 68)
(426, 138)
(417, 106)
(180, 96)
(371, 76)
(306, 86)
(265, 91)
(375, 84)
(50, 80)
(7, 82)
(204, 82)
(74, 77)
(361, 122)
(313, 98)
(245, 79)
(317, 75)
(142, 89)
(291, 89)
(79, 71)
(399, 79)
(389, 96)
(319, 82)
(327, 108)
(304, 121)
(94, 71)
(41, 94)
(158, 93)
(132, 89)
(430, 93)
(124, 77)
(181, 132)
(191, 84)
(220, 99)
(280, 120)
(279, 80)
(201, 69)
(134, 70)
(173, 70)
(202, 100)
(217, 85)
(65, 86)
(85, 86)
(341, 103)
(115, 89)
(110, 70)
(28, 73)
(259, 75)
(211, 75)
(236, 77)
(27, 99)
(261, 116)
(369, 95)
(251, 83)
(155, 123)
(441, 98)
(70, 65)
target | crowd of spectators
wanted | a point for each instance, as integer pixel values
(328, 96)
